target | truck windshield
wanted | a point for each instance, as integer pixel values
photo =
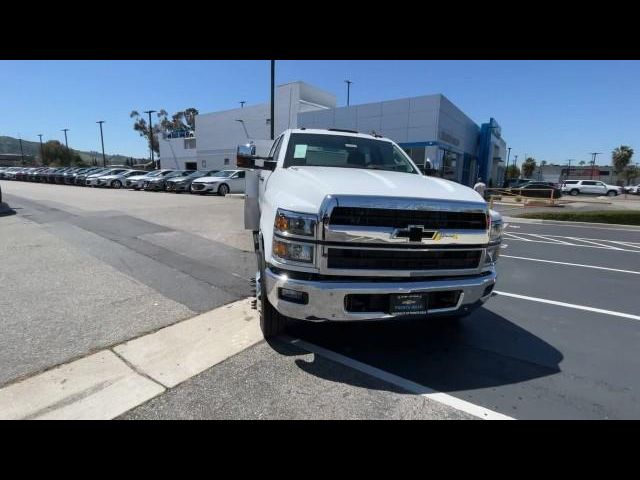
(342, 151)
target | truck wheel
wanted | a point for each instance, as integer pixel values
(272, 323)
(574, 192)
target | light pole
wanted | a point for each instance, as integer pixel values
(273, 90)
(348, 82)
(242, 102)
(41, 149)
(66, 143)
(506, 169)
(21, 151)
(151, 136)
(593, 161)
(104, 159)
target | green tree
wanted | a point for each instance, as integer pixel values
(528, 167)
(182, 120)
(620, 158)
(56, 154)
(581, 162)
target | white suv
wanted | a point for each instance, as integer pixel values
(592, 187)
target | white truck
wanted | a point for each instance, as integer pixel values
(346, 228)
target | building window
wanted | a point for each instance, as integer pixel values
(189, 143)
(191, 165)
(226, 161)
(450, 163)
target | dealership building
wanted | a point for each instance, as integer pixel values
(429, 128)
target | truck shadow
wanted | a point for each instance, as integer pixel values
(483, 350)
(6, 210)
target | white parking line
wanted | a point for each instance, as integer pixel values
(549, 237)
(569, 305)
(426, 392)
(554, 223)
(571, 264)
(553, 240)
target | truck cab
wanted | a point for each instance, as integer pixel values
(347, 228)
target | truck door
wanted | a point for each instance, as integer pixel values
(264, 174)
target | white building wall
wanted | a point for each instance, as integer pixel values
(173, 153)
(219, 133)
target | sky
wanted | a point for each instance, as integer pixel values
(550, 110)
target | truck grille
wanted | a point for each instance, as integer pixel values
(403, 259)
(383, 217)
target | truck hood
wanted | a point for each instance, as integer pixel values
(304, 188)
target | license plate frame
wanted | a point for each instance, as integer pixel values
(409, 304)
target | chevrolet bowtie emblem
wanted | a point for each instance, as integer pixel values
(415, 233)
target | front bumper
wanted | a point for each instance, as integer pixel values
(204, 187)
(326, 299)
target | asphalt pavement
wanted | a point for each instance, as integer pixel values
(558, 340)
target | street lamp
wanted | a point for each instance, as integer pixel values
(273, 90)
(151, 136)
(104, 160)
(65, 130)
(506, 168)
(348, 82)
(242, 102)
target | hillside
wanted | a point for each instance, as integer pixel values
(12, 145)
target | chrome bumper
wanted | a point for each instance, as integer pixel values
(326, 299)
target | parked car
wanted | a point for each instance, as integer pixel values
(538, 190)
(158, 183)
(92, 180)
(137, 181)
(632, 189)
(517, 182)
(183, 184)
(81, 178)
(590, 187)
(117, 180)
(160, 175)
(226, 181)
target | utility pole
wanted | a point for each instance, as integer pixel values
(151, 136)
(506, 169)
(65, 130)
(21, 151)
(41, 149)
(593, 161)
(104, 159)
(348, 82)
(273, 90)
(242, 102)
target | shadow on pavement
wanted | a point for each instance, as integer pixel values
(480, 351)
(6, 210)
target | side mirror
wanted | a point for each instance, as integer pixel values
(246, 158)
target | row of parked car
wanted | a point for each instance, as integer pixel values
(193, 181)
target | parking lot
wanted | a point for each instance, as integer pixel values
(86, 271)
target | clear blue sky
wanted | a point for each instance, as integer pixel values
(552, 110)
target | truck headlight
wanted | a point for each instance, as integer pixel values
(295, 223)
(293, 251)
(495, 232)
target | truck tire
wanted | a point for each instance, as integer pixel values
(272, 323)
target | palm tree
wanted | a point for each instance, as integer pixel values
(621, 157)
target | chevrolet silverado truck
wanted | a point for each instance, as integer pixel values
(346, 228)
